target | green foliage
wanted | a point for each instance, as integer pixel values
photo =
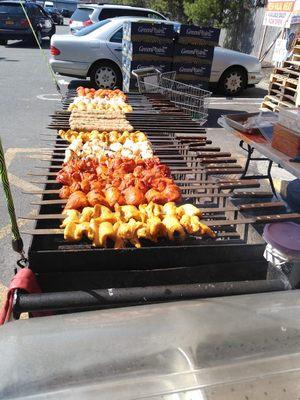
(218, 13)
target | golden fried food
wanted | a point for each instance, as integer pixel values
(72, 216)
(156, 228)
(173, 227)
(128, 212)
(188, 209)
(130, 224)
(86, 214)
(106, 231)
(74, 232)
(170, 208)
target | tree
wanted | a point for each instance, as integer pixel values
(217, 13)
(174, 9)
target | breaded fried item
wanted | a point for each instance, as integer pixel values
(129, 224)
(72, 216)
(170, 208)
(106, 231)
(173, 227)
(156, 228)
(188, 209)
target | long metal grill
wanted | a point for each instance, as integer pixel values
(207, 176)
(195, 164)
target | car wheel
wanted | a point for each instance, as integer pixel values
(106, 75)
(233, 81)
(3, 42)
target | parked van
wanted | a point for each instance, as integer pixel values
(48, 4)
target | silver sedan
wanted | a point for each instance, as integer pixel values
(96, 52)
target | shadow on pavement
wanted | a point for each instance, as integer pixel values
(215, 113)
(8, 59)
(20, 44)
(251, 92)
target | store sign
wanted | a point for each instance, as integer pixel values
(279, 13)
(296, 13)
(280, 51)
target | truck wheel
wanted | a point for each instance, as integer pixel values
(105, 75)
(233, 81)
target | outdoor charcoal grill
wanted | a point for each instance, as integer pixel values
(76, 276)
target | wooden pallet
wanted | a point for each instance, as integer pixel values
(273, 103)
(282, 93)
(284, 80)
(268, 106)
(295, 64)
(284, 87)
(289, 72)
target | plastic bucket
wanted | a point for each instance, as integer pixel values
(283, 249)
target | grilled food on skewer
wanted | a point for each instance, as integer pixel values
(117, 180)
(101, 125)
(106, 137)
(105, 105)
(103, 93)
(130, 224)
(96, 114)
(99, 150)
(102, 99)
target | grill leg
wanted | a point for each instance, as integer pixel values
(268, 175)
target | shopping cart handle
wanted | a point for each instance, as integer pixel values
(145, 71)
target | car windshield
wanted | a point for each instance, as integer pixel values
(91, 28)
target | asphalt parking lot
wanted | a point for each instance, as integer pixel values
(28, 96)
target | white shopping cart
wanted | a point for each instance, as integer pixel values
(190, 99)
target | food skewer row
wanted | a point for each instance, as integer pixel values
(106, 137)
(117, 180)
(87, 125)
(101, 100)
(101, 93)
(131, 224)
(101, 146)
